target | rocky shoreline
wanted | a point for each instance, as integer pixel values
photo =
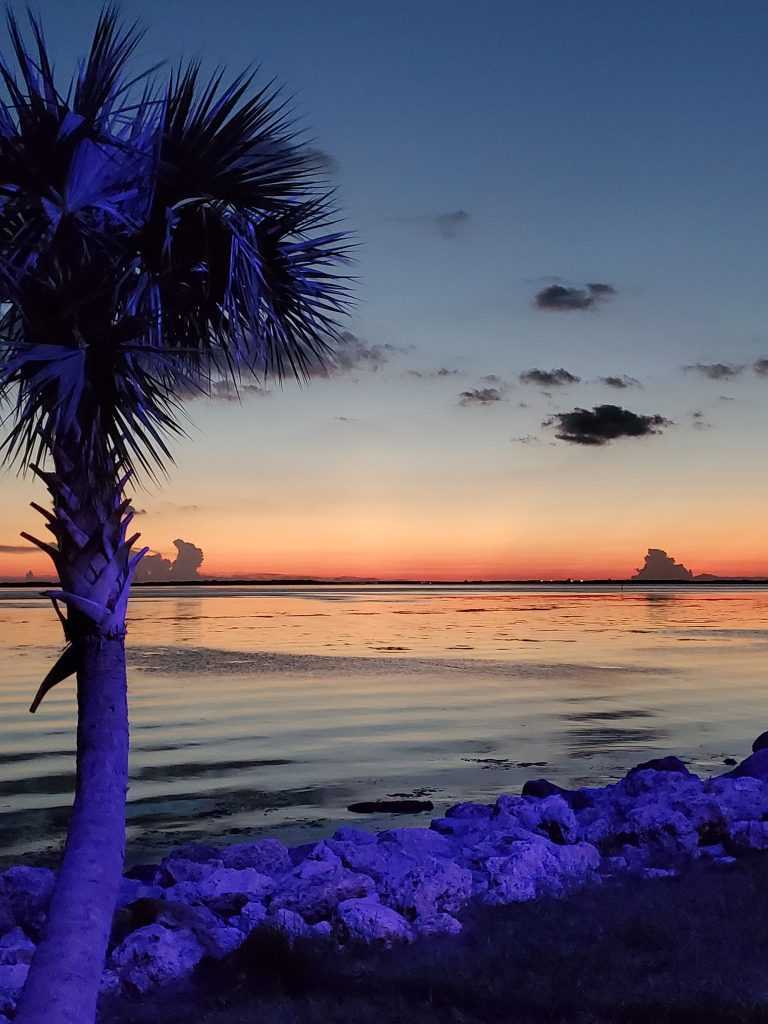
(396, 885)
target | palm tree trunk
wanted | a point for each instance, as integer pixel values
(62, 987)
(92, 555)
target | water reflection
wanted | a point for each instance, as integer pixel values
(270, 710)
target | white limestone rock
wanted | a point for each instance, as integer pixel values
(267, 856)
(155, 956)
(432, 887)
(251, 916)
(315, 887)
(368, 921)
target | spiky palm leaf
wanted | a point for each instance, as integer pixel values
(153, 237)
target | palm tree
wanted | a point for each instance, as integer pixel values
(156, 235)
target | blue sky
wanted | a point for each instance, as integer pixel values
(596, 142)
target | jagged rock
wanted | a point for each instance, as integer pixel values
(576, 799)
(251, 916)
(755, 766)
(741, 799)
(222, 881)
(432, 887)
(12, 978)
(174, 869)
(649, 874)
(289, 923)
(662, 829)
(661, 764)
(131, 889)
(221, 940)
(469, 810)
(750, 835)
(16, 948)
(28, 891)
(417, 842)
(155, 956)
(438, 924)
(315, 887)
(267, 856)
(368, 921)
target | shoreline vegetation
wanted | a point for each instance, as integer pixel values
(645, 899)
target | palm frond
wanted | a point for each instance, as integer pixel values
(153, 237)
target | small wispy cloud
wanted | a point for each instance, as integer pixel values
(560, 298)
(549, 378)
(620, 382)
(716, 371)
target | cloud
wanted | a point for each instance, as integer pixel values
(699, 420)
(604, 423)
(716, 371)
(549, 378)
(139, 511)
(448, 225)
(222, 391)
(155, 568)
(660, 566)
(526, 439)
(623, 381)
(17, 549)
(433, 374)
(480, 396)
(354, 353)
(760, 366)
(560, 298)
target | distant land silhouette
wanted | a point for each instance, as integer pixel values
(157, 571)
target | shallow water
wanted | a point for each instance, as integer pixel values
(268, 710)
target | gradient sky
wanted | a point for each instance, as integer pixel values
(596, 142)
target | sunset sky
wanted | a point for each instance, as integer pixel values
(487, 154)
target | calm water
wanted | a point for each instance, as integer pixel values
(269, 710)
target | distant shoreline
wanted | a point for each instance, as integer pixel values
(745, 581)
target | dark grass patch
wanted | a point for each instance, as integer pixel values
(680, 951)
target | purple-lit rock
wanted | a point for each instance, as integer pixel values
(369, 922)
(154, 956)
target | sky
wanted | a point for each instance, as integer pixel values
(495, 160)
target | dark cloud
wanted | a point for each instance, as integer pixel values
(481, 396)
(660, 566)
(760, 366)
(222, 391)
(623, 381)
(494, 380)
(433, 374)
(324, 162)
(154, 568)
(715, 371)
(549, 378)
(16, 549)
(602, 424)
(560, 298)
(699, 420)
(448, 225)
(351, 353)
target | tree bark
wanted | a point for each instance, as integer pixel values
(63, 982)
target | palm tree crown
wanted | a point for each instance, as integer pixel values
(154, 235)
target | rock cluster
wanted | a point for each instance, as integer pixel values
(360, 887)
